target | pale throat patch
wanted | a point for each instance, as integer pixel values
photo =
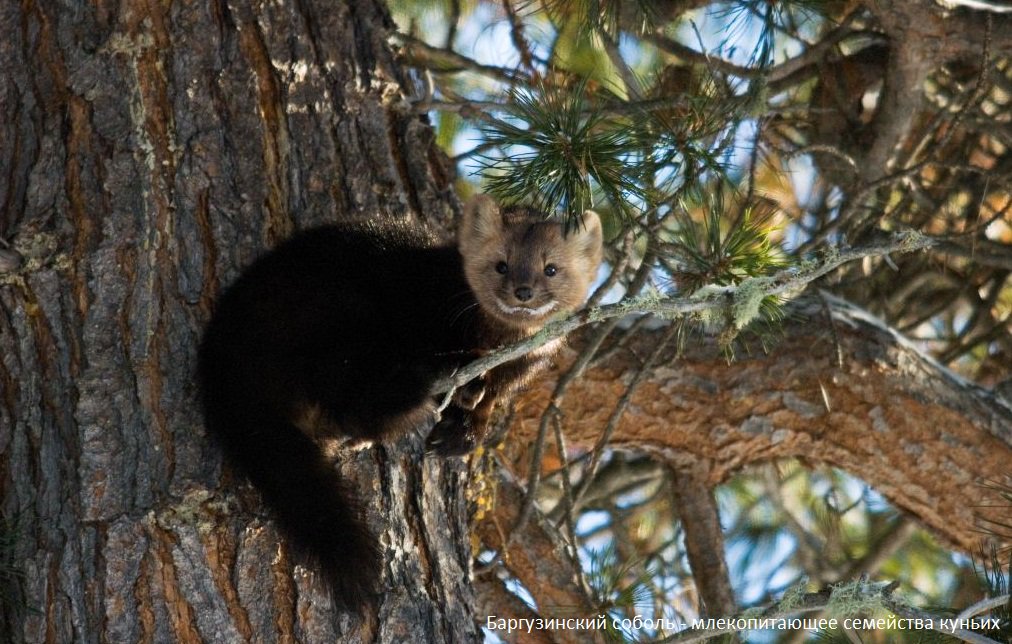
(523, 310)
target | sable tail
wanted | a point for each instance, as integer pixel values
(316, 510)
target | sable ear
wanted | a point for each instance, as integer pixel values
(482, 219)
(589, 238)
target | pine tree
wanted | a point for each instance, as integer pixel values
(788, 398)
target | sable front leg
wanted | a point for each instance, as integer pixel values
(462, 429)
(470, 394)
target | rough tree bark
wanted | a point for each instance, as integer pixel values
(148, 151)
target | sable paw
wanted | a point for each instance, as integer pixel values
(469, 395)
(453, 435)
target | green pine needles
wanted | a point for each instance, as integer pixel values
(573, 145)
(564, 153)
(710, 244)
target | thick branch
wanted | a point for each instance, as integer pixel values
(495, 600)
(898, 105)
(863, 399)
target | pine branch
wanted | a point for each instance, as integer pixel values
(744, 299)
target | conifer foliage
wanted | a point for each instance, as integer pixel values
(728, 145)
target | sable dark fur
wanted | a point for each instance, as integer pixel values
(352, 326)
(358, 323)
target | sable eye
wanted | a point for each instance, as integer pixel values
(501, 268)
(551, 270)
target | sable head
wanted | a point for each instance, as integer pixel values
(523, 269)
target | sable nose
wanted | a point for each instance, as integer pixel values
(523, 293)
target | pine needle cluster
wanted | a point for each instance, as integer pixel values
(564, 154)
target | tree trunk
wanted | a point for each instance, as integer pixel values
(148, 152)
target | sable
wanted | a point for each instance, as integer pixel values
(341, 332)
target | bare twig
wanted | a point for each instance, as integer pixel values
(517, 36)
(440, 59)
(778, 77)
